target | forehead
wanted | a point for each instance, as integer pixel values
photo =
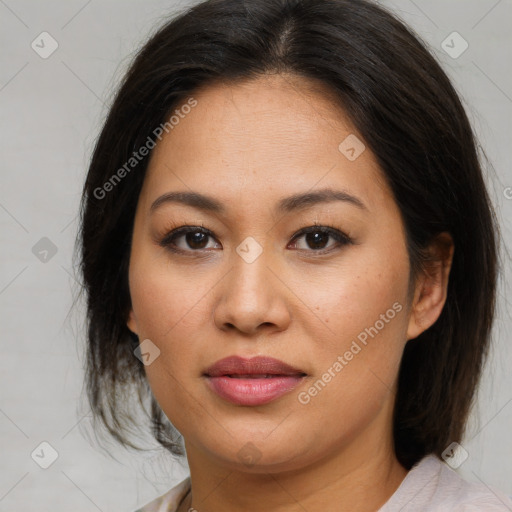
(267, 134)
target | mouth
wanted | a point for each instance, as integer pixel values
(252, 382)
(243, 376)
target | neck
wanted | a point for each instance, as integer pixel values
(360, 477)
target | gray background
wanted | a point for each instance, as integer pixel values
(52, 110)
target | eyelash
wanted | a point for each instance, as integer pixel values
(341, 238)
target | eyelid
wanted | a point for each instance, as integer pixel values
(340, 237)
(183, 230)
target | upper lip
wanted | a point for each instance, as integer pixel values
(260, 365)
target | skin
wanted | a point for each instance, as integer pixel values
(248, 145)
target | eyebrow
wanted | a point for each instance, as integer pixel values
(289, 204)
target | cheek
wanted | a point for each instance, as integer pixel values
(166, 300)
(171, 311)
(359, 328)
(167, 306)
(347, 298)
(356, 363)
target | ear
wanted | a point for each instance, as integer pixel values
(431, 286)
(132, 323)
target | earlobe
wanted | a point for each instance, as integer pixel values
(132, 323)
(431, 287)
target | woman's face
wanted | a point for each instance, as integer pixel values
(273, 158)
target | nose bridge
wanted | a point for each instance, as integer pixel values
(250, 273)
(250, 294)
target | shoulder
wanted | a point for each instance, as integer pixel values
(432, 486)
(467, 496)
(169, 501)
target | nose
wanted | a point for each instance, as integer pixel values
(252, 298)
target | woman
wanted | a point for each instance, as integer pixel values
(290, 258)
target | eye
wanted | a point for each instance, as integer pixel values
(196, 238)
(317, 238)
(187, 239)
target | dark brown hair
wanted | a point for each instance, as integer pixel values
(409, 115)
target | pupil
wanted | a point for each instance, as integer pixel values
(315, 239)
(195, 239)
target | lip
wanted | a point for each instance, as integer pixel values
(244, 381)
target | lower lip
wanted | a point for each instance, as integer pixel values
(253, 391)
